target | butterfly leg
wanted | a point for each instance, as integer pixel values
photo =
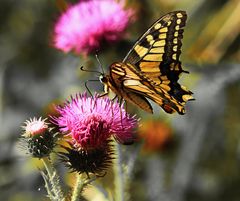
(126, 105)
(120, 100)
(106, 91)
(102, 95)
(86, 86)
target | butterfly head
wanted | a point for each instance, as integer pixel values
(103, 79)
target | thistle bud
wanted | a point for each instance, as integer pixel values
(40, 139)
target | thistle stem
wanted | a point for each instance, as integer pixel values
(118, 175)
(54, 181)
(81, 183)
(78, 187)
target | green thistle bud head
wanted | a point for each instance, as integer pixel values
(40, 139)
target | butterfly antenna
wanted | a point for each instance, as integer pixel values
(100, 64)
(89, 71)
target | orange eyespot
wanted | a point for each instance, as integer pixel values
(168, 109)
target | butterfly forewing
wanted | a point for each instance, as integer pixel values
(161, 42)
(157, 52)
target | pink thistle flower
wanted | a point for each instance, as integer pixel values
(85, 25)
(91, 121)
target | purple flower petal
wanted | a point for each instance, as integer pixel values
(91, 121)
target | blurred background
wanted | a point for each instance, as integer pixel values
(192, 157)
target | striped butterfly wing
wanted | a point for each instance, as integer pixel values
(159, 48)
(134, 86)
(119, 73)
(156, 57)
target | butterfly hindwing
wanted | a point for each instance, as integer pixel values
(129, 83)
(139, 100)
